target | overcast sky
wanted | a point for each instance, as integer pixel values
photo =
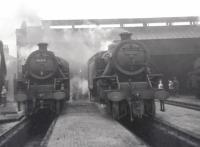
(81, 9)
(13, 12)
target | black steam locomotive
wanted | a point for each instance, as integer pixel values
(121, 79)
(44, 83)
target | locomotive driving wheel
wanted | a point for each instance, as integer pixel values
(115, 110)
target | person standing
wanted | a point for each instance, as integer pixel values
(171, 87)
(176, 86)
(160, 85)
(160, 88)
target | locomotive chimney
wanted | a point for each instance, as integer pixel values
(42, 46)
(125, 36)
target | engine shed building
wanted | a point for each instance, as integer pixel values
(173, 42)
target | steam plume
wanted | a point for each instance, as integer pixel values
(76, 47)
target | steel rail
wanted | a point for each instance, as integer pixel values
(183, 104)
(186, 136)
(7, 135)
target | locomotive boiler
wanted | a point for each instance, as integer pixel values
(121, 79)
(44, 82)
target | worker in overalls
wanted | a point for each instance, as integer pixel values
(4, 95)
(171, 87)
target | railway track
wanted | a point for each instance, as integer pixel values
(185, 137)
(154, 132)
(183, 104)
(27, 132)
(157, 133)
(39, 126)
(16, 135)
(45, 139)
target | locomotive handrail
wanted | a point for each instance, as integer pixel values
(118, 85)
(149, 81)
(63, 78)
(104, 77)
(155, 75)
(59, 68)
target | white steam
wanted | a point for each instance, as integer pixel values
(75, 46)
(24, 52)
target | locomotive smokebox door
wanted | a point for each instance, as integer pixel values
(130, 57)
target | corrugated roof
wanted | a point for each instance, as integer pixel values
(165, 32)
(141, 33)
(120, 21)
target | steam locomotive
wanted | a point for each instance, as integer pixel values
(121, 79)
(44, 82)
(194, 78)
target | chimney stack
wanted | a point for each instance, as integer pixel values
(125, 36)
(42, 46)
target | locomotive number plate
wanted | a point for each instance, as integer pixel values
(41, 60)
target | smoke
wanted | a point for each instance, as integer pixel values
(78, 46)
(11, 20)
(11, 63)
(79, 87)
(75, 46)
(25, 51)
(29, 16)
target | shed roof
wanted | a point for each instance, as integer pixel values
(165, 32)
